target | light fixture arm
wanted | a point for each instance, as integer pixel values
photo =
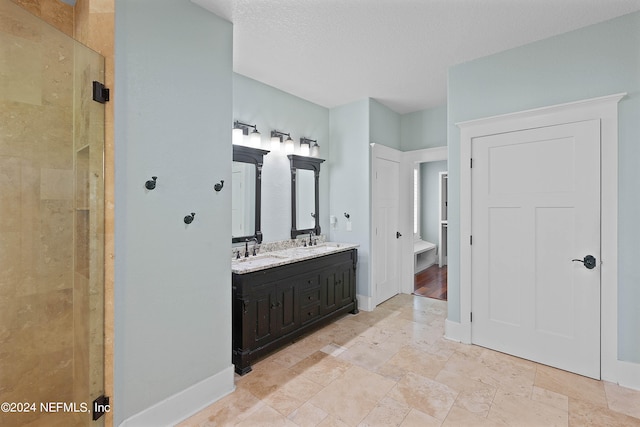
(245, 127)
(278, 134)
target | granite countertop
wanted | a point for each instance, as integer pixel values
(277, 258)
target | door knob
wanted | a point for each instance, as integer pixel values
(398, 235)
(589, 261)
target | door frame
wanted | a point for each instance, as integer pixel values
(410, 159)
(604, 109)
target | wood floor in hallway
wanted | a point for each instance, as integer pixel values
(432, 283)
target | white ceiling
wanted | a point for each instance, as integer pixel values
(332, 52)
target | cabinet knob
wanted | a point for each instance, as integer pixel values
(310, 297)
(310, 313)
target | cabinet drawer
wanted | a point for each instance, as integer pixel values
(309, 282)
(309, 313)
(310, 297)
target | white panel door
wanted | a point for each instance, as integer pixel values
(387, 182)
(535, 208)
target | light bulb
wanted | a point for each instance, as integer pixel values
(315, 150)
(255, 138)
(288, 145)
(304, 149)
(236, 136)
(275, 143)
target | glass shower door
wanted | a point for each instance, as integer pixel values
(51, 225)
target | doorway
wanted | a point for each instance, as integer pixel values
(430, 229)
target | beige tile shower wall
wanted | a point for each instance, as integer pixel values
(92, 23)
(55, 12)
(36, 234)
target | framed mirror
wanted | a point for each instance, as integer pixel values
(246, 193)
(305, 197)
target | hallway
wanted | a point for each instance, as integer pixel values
(392, 366)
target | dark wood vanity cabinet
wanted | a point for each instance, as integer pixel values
(272, 307)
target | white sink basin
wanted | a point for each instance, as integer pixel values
(262, 259)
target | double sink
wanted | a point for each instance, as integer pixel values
(286, 256)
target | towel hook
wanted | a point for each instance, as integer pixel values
(189, 218)
(151, 184)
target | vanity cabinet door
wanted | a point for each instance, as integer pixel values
(336, 287)
(345, 279)
(287, 307)
(260, 316)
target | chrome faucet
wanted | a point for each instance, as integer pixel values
(312, 241)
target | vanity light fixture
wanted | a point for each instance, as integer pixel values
(305, 146)
(315, 149)
(289, 145)
(240, 129)
(277, 139)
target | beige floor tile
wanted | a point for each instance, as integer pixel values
(424, 394)
(265, 378)
(333, 349)
(308, 415)
(551, 398)
(387, 412)
(417, 418)
(352, 396)
(226, 411)
(516, 410)
(392, 366)
(321, 368)
(266, 417)
(587, 414)
(371, 318)
(516, 379)
(460, 417)
(622, 399)
(369, 356)
(331, 421)
(307, 346)
(410, 359)
(292, 394)
(343, 333)
(572, 385)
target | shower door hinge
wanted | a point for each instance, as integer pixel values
(100, 92)
(100, 407)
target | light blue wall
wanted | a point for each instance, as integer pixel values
(424, 129)
(384, 125)
(173, 64)
(272, 109)
(349, 182)
(599, 60)
(430, 200)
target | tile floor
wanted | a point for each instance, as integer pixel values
(392, 367)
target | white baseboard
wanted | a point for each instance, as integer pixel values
(455, 331)
(365, 303)
(184, 404)
(629, 374)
